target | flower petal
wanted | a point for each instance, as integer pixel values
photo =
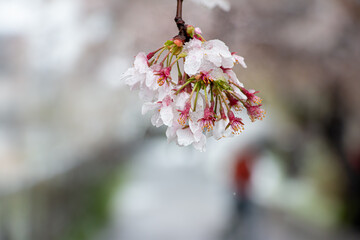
(149, 106)
(201, 144)
(156, 120)
(185, 137)
(171, 131)
(193, 62)
(240, 60)
(141, 63)
(167, 115)
(181, 99)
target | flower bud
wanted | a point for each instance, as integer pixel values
(168, 43)
(190, 30)
(176, 50)
(150, 55)
(198, 31)
(178, 42)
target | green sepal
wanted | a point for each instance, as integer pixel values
(168, 43)
(223, 84)
(190, 30)
(176, 50)
(182, 55)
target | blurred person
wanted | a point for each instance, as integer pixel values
(241, 173)
(241, 179)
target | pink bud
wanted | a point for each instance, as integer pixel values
(178, 42)
(150, 55)
(198, 31)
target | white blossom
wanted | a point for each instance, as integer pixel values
(206, 56)
(240, 60)
(151, 77)
(207, 96)
(136, 76)
(164, 111)
(220, 130)
(193, 133)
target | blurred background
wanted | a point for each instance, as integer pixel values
(79, 161)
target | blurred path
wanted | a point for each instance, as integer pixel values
(169, 197)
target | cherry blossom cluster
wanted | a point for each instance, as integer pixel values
(190, 87)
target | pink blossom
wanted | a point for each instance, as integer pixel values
(236, 123)
(184, 114)
(163, 75)
(239, 59)
(255, 112)
(198, 30)
(136, 76)
(205, 77)
(233, 102)
(164, 112)
(208, 120)
(251, 98)
(205, 56)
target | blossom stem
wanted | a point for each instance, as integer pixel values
(216, 103)
(196, 98)
(235, 84)
(206, 97)
(154, 52)
(182, 87)
(175, 61)
(172, 55)
(159, 49)
(201, 37)
(157, 58)
(226, 104)
(192, 92)
(220, 104)
(167, 59)
(167, 55)
(178, 67)
(236, 96)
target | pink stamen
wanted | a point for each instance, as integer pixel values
(236, 123)
(252, 99)
(255, 112)
(163, 74)
(184, 114)
(208, 120)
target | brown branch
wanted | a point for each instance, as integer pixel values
(179, 9)
(180, 23)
